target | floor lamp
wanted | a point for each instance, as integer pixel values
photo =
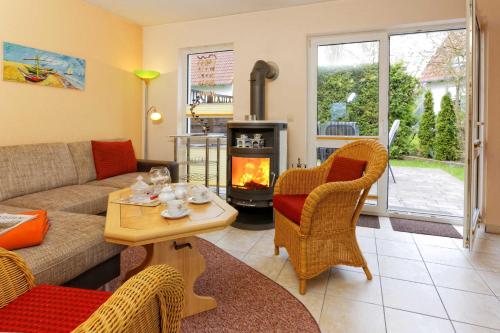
(152, 112)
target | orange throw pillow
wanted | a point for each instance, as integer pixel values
(28, 234)
(345, 169)
(113, 158)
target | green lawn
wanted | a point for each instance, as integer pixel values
(455, 171)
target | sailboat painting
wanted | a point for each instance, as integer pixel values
(43, 68)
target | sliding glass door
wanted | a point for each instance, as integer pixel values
(348, 98)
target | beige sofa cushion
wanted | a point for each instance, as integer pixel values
(84, 160)
(83, 199)
(121, 181)
(74, 244)
(27, 169)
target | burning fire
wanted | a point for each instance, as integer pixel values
(250, 172)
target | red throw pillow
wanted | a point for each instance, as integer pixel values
(345, 169)
(113, 158)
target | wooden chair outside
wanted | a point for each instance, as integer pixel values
(151, 301)
(326, 235)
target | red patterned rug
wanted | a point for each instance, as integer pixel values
(248, 301)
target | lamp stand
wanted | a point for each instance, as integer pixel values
(146, 107)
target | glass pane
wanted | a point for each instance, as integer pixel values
(210, 77)
(427, 122)
(348, 89)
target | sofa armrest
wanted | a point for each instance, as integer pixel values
(173, 167)
(15, 277)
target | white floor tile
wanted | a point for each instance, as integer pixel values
(414, 297)
(457, 278)
(441, 255)
(404, 269)
(235, 253)
(371, 260)
(466, 328)
(398, 321)
(394, 235)
(486, 246)
(288, 278)
(471, 308)
(239, 240)
(312, 301)
(367, 244)
(265, 247)
(397, 249)
(365, 232)
(434, 241)
(492, 279)
(354, 286)
(269, 266)
(343, 315)
(484, 261)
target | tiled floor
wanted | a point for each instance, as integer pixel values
(421, 283)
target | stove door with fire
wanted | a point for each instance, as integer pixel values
(250, 173)
(256, 157)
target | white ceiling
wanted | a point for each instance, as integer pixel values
(152, 12)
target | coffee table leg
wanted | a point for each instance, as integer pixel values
(190, 263)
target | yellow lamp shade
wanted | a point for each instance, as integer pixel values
(146, 74)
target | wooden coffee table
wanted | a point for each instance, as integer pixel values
(171, 242)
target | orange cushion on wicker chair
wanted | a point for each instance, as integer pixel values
(290, 205)
(50, 309)
(113, 158)
(345, 169)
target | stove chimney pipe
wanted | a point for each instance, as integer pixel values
(261, 71)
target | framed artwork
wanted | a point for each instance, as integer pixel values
(29, 65)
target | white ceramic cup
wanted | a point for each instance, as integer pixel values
(176, 207)
(200, 194)
(180, 190)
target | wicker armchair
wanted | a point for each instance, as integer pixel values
(151, 301)
(326, 235)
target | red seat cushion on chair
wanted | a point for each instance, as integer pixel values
(113, 158)
(290, 205)
(345, 169)
(50, 309)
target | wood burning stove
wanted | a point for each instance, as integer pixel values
(252, 169)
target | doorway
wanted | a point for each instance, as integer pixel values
(378, 86)
(427, 124)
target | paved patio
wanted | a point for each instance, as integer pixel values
(426, 190)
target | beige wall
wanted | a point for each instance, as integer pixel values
(277, 35)
(111, 103)
(489, 16)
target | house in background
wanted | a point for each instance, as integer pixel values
(445, 72)
(210, 80)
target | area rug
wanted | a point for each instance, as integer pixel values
(368, 221)
(247, 300)
(425, 228)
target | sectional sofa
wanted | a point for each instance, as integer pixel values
(61, 179)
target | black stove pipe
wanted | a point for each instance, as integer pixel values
(261, 71)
